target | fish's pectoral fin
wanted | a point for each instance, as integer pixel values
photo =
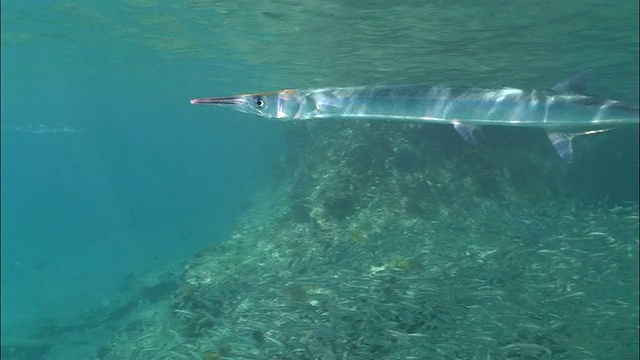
(575, 84)
(466, 131)
(562, 142)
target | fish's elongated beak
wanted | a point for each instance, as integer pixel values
(229, 100)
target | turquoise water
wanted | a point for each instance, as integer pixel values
(109, 174)
(140, 180)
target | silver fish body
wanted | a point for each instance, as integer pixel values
(437, 104)
(563, 114)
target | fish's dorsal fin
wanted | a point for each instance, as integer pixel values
(575, 84)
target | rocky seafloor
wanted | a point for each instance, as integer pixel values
(397, 241)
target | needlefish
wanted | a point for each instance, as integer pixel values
(563, 111)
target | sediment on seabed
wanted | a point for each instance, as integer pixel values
(380, 241)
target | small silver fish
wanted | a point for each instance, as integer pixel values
(562, 111)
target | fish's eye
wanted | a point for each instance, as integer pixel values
(259, 101)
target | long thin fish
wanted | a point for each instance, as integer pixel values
(563, 111)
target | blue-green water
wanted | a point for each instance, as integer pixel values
(108, 171)
(144, 180)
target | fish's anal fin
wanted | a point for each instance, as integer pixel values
(466, 131)
(562, 142)
(575, 84)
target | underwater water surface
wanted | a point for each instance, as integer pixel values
(137, 226)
